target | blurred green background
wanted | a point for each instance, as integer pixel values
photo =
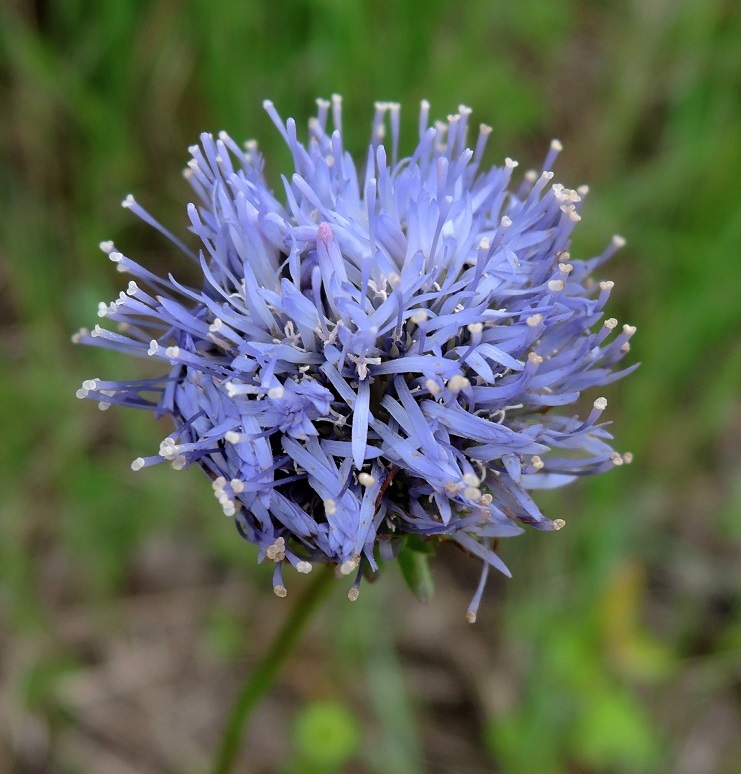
(129, 608)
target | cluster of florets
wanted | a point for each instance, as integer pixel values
(388, 352)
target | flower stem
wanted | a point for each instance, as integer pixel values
(262, 678)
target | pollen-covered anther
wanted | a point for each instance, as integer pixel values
(536, 462)
(353, 593)
(303, 567)
(628, 458)
(432, 387)
(486, 499)
(237, 486)
(556, 145)
(276, 392)
(505, 222)
(276, 552)
(625, 348)
(452, 487)
(138, 463)
(565, 268)
(231, 436)
(349, 565)
(472, 493)
(629, 330)
(534, 320)
(330, 507)
(616, 458)
(366, 479)
(555, 286)
(172, 352)
(610, 323)
(153, 347)
(558, 524)
(216, 325)
(179, 462)
(600, 404)
(420, 316)
(606, 285)
(618, 241)
(218, 483)
(510, 163)
(280, 590)
(535, 358)
(475, 328)
(457, 383)
(471, 616)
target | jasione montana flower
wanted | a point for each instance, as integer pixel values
(390, 350)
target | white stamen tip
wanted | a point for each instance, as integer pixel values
(432, 387)
(153, 347)
(179, 462)
(505, 222)
(606, 285)
(366, 479)
(303, 567)
(394, 279)
(129, 201)
(510, 163)
(280, 590)
(475, 328)
(472, 493)
(457, 383)
(534, 320)
(535, 358)
(348, 566)
(172, 352)
(330, 507)
(600, 404)
(230, 436)
(536, 462)
(556, 145)
(236, 485)
(629, 329)
(628, 458)
(618, 241)
(558, 524)
(565, 268)
(138, 463)
(616, 458)
(610, 323)
(420, 316)
(276, 392)
(353, 594)
(216, 325)
(555, 286)
(471, 616)
(471, 479)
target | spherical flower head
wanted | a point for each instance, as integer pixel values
(386, 354)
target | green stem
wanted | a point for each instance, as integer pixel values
(263, 677)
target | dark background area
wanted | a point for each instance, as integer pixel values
(129, 608)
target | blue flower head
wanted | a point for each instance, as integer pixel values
(388, 352)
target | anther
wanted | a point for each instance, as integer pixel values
(535, 358)
(138, 463)
(303, 567)
(534, 320)
(610, 323)
(353, 594)
(330, 507)
(606, 285)
(457, 383)
(558, 524)
(420, 316)
(366, 479)
(600, 404)
(276, 392)
(536, 462)
(349, 565)
(616, 459)
(555, 286)
(280, 590)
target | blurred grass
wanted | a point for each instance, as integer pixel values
(622, 620)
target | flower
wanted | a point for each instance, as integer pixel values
(389, 353)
